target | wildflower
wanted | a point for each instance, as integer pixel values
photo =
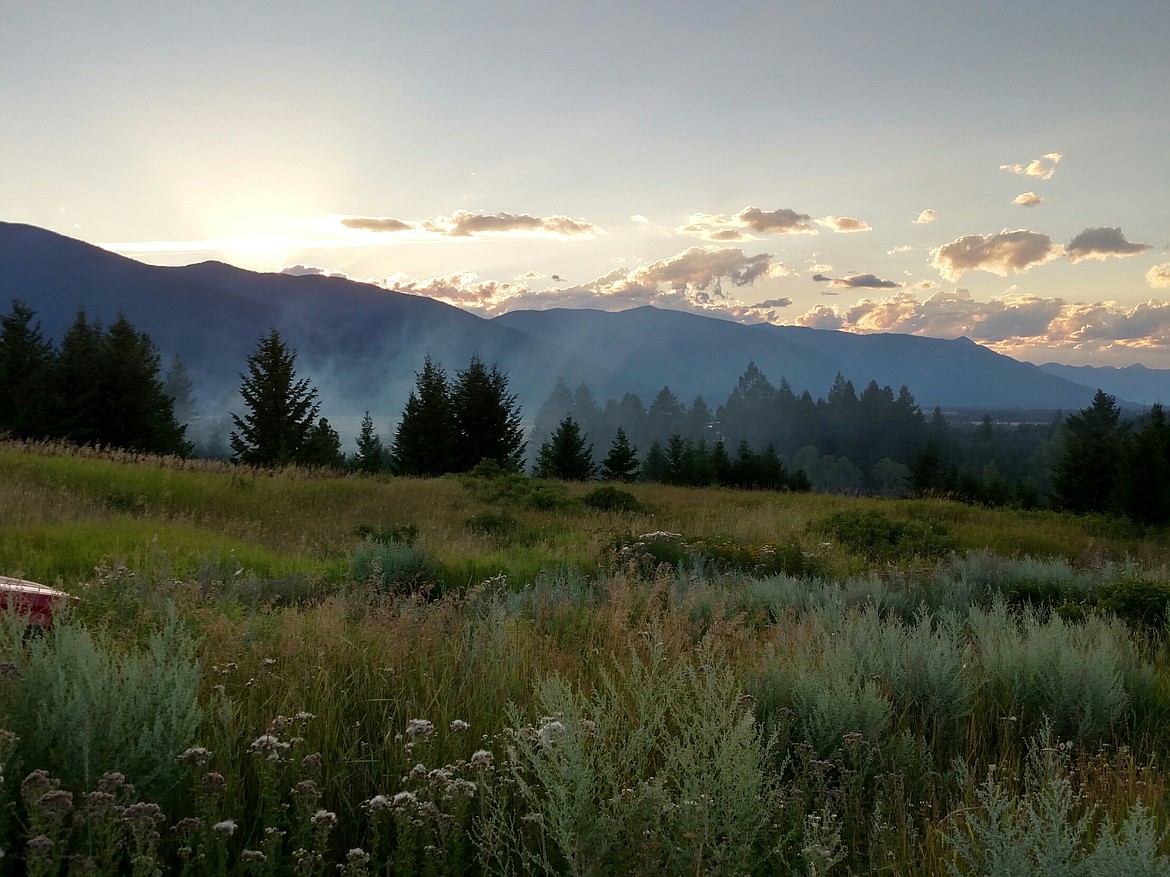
(324, 817)
(197, 755)
(312, 761)
(114, 782)
(459, 725)
(143, 816)
(188, 825)
(533, 819)
(420, 728)
(482, 758)
(269, 747)
(307, 789)
(40, 844)
(377, 803)
(404, 798)
(418, 772)
(268, 662)
(550, 730)
(56, 804)
(253, 856)
(357, 857)
(213, 782)
(227, 827)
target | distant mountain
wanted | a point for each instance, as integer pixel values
(1140, 385)
(361, 344)
(695, 354)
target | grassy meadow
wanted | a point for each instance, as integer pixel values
(279, 673)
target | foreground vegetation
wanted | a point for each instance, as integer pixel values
(292, 673)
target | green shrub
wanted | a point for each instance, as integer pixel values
(876, 537)
(1136, 601)
(498, 525)
(395, 568)
(84, 704)
(719, 554)
(608, 498)
(401, 534)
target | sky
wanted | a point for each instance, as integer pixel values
(992, 170)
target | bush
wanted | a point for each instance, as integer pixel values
(1137, 601)
(396, 569)
(394, 534)
(876, 537)
(83, 704)
(612, 499)
(721, 554)
(495, 524)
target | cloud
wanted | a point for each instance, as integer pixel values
(1159, 276)
(1012, 323)
(857, 281)
(902, 248)
(999, 254)
(1101, 243)
(1043, 167)
(639, 218)
(844, 224)
(692, 280)
(375, 223)
(719, 227)
(927, 215)
(774, 303)
(1027, 199)
(464, 224)
(304, 270)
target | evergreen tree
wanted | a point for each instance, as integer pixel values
(927, 474)
(565, 455)
(322, 447)
(654, 464)
(621, 464)
(674, 469)
(137, 414)
(1143, 484)
(281, 410)
(177, 385)
(666, 414)
(371, 456)
(1086, 474)
(77, 395)
(26, 375)
(721, 464)
(487, 418)
(424, 443)
(555, 407)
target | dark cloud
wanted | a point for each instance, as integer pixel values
(1101, 243)
(999, 254)
(857, 281)
(303, 270)
(774, 303)
(782, 221)
(374, 223)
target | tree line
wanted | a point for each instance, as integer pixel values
(104, 386)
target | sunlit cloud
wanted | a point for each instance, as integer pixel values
(844, 224)
(721, 228)
(1000, 254)
(639, 218)
(1101, 243)
(1043, 167)
(1009, 323)
(857, 281)
(1159, 276)
(693, 280)
(1027, 199)
(926, 216)
(903, 248)
(465, 224)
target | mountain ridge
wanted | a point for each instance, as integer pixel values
(361, 345)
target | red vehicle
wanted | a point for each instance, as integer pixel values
(34, 602)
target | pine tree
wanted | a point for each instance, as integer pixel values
(425, 440)
(282, 410)
(371, 456)
(487, 418)
(621, 464)
(322, 447)
(26, 373)
(565, 456)
(655, 462)
(137, 414)
(178, 386)
(77, 395)
(1143, 483)
(1086, 474)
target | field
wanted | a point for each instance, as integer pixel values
(299, 673)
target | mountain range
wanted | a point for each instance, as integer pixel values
(361, 344)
